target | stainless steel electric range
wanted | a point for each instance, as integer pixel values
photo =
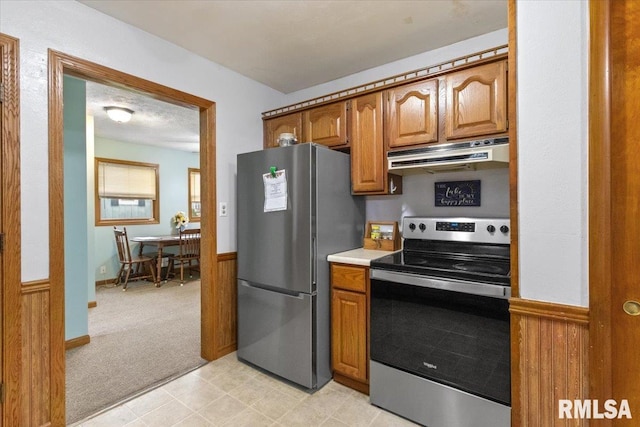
(440, 352)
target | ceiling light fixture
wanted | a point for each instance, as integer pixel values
(119, 114)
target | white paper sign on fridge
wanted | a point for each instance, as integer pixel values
(275, 191)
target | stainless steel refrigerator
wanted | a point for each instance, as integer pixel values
(283, 273)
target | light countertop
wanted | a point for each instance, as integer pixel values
(358, 256)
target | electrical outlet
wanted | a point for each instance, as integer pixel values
(223, 208)
(103, 269)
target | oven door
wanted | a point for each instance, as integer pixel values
(454, 338)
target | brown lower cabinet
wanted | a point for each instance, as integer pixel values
(350, 325)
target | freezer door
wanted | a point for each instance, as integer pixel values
(275, 332)
(275, 248)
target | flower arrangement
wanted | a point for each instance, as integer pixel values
(181, 219)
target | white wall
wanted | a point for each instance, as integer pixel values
(553, 146)
(78, 30)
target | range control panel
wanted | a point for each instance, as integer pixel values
(479, 230)
(455, 226)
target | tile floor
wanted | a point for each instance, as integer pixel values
(226, 392)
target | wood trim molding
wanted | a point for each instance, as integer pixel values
(512, 114)
(227, 256)
(209, 245)
(35, 286)
(600, 272)
(38, 282)
(105, 282)
(56, 243)
(547, 310)
(77, 342)
(59, 65)
(433, 71)
(512, 84)
(92, 304)
(10, 289)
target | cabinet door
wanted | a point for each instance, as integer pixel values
(349, 334)
(368, 168)
(477, 101)
(413, 114)
(326, 125)
(291, 123)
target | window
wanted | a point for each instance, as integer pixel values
(126, 192)
(194, 194)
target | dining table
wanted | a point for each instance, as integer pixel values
(158, 242)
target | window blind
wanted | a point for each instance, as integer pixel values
(123, 181)
(194, 178)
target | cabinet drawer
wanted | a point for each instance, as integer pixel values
(350, 278)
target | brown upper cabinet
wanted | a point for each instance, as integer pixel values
(367, 149)
(290, 123)
(477, 101)
(464, 104)
(412, 114)
(368, 158)
(326, 125)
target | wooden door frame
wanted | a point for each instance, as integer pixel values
(10, 280)
(512, 88)
(59, 65)
(600, 357)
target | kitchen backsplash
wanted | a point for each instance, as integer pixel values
(418, 196)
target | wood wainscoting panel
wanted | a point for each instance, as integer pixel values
(553, 344)
(36, 354)
(228, 303)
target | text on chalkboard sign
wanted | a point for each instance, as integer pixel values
(457, 193)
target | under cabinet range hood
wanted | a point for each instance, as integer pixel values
(469, 155)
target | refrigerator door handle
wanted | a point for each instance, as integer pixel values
(314, 262)
(297, 295)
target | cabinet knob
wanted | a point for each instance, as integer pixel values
(632, 308)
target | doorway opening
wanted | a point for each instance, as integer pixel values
(126, 342)
(60, 65)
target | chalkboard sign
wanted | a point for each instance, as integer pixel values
(458, 193)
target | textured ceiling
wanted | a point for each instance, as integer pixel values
(296, 44)
(287, 45)
(153, 122)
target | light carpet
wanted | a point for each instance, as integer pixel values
(139, 338)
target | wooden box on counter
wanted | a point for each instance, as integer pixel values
(382, 235)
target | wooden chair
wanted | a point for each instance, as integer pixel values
(129, 263)
(188, 254)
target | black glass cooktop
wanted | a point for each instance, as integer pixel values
(463, 261)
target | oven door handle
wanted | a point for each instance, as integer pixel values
(472, 288)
